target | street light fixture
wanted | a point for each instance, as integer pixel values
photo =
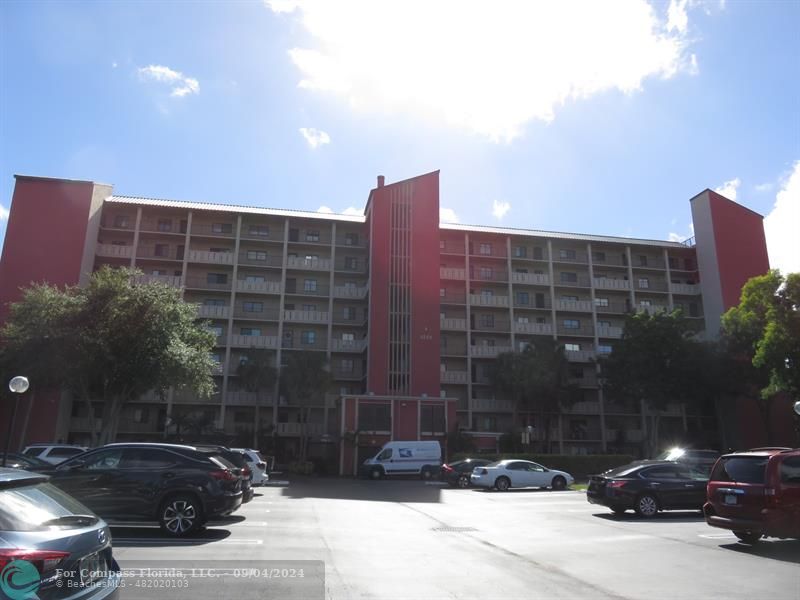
(18, 385)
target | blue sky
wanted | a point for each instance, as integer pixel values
(596, 118)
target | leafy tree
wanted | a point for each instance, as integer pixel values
(657, 362)
(259, 377)
(113, 341)
(305, 380)
(763, 333)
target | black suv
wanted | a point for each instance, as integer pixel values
(239, 460)
(180, 487)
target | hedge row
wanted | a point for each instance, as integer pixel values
(578, 465)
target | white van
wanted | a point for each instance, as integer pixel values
(405, 458)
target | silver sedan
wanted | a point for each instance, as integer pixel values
(506, 474)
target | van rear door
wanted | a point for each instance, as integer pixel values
(737, 484)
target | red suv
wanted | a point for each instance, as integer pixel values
(756, 493)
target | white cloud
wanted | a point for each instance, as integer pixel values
(114, 65)
(729, 188)
(352, 210)
(485, 67)
(325, 209)
(448, 215)
(499, 209)
(693, 68)
(282, 6)
(181, 84)
(315, 137)
(677, 237)
(3, 213)
(780, 225)
(764, 187)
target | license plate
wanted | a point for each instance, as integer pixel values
(93, 567)
(730, 499)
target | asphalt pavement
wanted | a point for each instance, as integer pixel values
(417, 540)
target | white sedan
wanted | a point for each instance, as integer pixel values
(506, 474)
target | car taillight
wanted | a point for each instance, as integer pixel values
(223, 475)
(615, 484)
(43, 560)
(246, 473)
(447, 468)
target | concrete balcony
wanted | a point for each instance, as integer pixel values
(114, 251)
(453, 377)
(583, 330)
(217, 369)
(355, 293)
(130, 426)
(589, 381)
(574, 306)
(449, 273)
(354, 374)
(634, 435)
(202, 283)
(580, 355)
(255, 341)
(453, 324)
(652, 308)
(313, 264)
(306, 316)
(488, 351)
(216, 258)
(212, 312)
(258, 287)
(603, 283)
(533, 328)
(609, 332)
(338, 345)
(492, 404)
(530, 278)
(175, 281)
(248, 399)
(684, 289)
(585, 408)
(296, 429)
(482, 300)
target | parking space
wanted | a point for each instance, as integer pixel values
(408, 539)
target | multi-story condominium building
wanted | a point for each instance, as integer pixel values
(409, 313)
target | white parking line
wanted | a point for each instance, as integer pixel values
(190, 542)
(717, 536)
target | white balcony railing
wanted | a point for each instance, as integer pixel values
(254, 341)
(453, 376)
(341, 291)
(315, 264)
(575, 305)
(451, 273)
(305, 316)
(684, 288)
(175, 281)
(611, 284)
(534, 328)
(488, 351)
(338, 345)
(114, 251)
(216, 258)
(580, 355)
(484, 300)
(451, 323)
(212, 312)
(530, 278)
(263, 287)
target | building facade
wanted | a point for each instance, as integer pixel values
(410, 313)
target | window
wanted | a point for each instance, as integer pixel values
(644, 283)
(294, 234)
(486, 272)
(540, 320)
(604, 349)
(572, 347)
(122, 221)
(161, 250)
(348, 337)
(256, 255)
(250, 331)
(219, 250)
(642, 260)
(103, 460)
(567, 277)
(569, 298)
(312, 235)
(522, 320)
(164, 225)
(351, 263)
(254, 279)
(215, 329)
(486, 320)
(432, 418)
(217, 278)
(309, 307)
(222, 228)
(118, 243)
(572, 324)
(308, 337)
(539, 300)
(601, 301)
(673, 262)
(645, 303)
(537, 253)
(523, 298)
(213, 302)
(253, 307)
(693, 310)
(520, 270)
(442, 292)
(346, 365)
(484, 249)
(158, 272)
(259, 230)
(487, 293)
(790, 470)
(442, 245)
(310, 285)
(521, 251)
(350, 285)
(599, 256)
(140, 415)
(374, 417)
(216, 357)
(567, 254)
(351, 239)
(241, 416)
(349, 313)
(604, 323)
(311, 257)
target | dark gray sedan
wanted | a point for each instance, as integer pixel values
(51, 546)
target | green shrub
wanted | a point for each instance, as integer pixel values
(577, 465)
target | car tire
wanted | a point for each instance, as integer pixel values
(646, 506)
(502, 484)
(559, 483)
(463, 481)
(376, 473)
(426, 474)
(180, 515)
(747, 537)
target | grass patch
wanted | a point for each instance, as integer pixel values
(581, 487)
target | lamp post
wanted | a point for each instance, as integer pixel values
(18, 385)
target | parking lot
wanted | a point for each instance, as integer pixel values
(409, 539)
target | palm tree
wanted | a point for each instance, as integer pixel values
(305, 379)
(257, 376)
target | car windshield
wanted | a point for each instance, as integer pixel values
(741, 469)
(34, 507)
(622, 471)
